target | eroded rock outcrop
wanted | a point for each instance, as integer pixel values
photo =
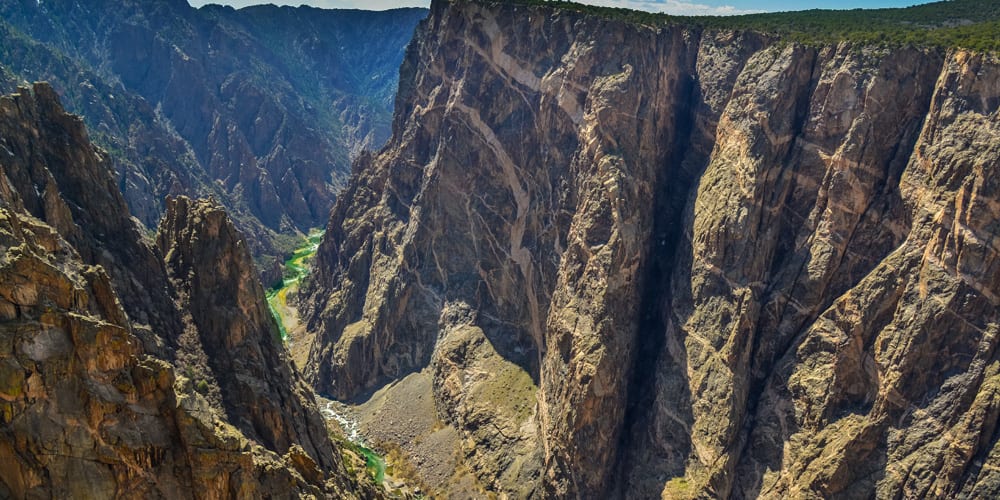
(213, 273)
(100, 397)
(58, 177)
(717, 265)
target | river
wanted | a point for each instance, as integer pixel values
(296, 268)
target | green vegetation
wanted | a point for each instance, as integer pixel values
(969, 24)
(678, 487)
(201, 387)
(282, 329)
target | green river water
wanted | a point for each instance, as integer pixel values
(295, 270)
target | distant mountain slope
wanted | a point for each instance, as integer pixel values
(261, 108)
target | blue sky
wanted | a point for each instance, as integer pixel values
(679, 7)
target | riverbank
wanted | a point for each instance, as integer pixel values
(295, 269)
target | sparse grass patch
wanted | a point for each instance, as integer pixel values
(512, 389)
(399, 467)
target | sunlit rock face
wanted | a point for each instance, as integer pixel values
(694, 262)
(124, 374)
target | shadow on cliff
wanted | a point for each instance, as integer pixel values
(651, 451)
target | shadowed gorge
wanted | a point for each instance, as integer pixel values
(261, 108)
(702, 259)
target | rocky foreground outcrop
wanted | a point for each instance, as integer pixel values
(669, 261)
(213, 274)
(113, 382)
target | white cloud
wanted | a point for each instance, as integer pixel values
(675, 7)
(326, 4)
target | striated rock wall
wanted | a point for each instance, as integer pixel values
(110, 376)
(729, 267)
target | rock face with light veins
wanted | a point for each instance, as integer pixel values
(700, 263)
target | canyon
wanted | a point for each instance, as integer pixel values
(134, 368)
(601, 254)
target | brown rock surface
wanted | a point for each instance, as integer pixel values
(100, 397)
(722, 266)
(58, 177)
(211, 269)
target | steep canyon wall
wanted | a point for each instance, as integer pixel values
(692, 262)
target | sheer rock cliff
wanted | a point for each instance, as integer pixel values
(669, 261)
(113, 384)
(211, 270)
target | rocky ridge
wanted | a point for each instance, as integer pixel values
(114, 383)
(704, 263)
(211, 270)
